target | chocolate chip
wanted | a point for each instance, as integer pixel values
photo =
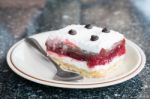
(88, 26)
(72, 32)
(94, 38)
(106, 30)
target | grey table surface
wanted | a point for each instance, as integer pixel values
(18, 20)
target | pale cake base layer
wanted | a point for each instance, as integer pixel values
(85, 73)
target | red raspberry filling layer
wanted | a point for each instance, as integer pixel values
(92, 59)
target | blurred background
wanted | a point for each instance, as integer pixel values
(21, 18)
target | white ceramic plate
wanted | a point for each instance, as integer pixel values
(27, 63)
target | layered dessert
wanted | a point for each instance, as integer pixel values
(89, 50)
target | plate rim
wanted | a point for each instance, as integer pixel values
(79, 86)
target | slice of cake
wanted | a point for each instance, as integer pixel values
(86, 49)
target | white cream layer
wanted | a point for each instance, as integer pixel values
(82, 38)
(83, 64)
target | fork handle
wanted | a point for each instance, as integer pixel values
(34, 43)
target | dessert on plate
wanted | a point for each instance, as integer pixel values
(89, 50)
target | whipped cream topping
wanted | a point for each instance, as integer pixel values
(83, 36)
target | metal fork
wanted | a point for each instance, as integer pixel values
(61, 74)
